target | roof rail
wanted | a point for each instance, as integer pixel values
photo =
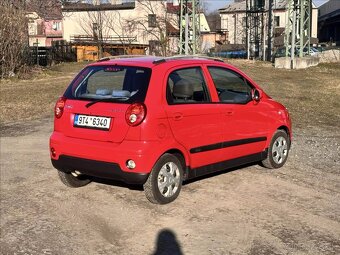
(196, 56)
(119, 57)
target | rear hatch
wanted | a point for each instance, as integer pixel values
(97, 100)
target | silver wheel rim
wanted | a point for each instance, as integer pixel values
(279, 150)
(168, 179)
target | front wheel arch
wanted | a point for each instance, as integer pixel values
(278, 150)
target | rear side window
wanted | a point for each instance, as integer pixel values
(231, 86)
(121, 83)
(187, 86)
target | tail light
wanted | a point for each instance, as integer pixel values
(59, 107)
(135, 114)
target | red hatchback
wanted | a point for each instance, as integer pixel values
(159, 121)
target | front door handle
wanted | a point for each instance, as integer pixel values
(178, 116)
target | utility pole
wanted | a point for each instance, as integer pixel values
(189, 27)
(255, 28)
(270, 30)
(298, 29)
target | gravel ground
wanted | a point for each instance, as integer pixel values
(249, 210)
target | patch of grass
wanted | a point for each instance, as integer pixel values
(35, 98)
(311, 95)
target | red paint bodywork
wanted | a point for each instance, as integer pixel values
(169, 127)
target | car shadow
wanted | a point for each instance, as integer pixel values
(186, 182)
(117, 183)
(228, 170)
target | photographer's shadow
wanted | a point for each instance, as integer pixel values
(167, 243)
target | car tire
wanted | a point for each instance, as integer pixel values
(73, 181)
(278, 150)
(165, 180)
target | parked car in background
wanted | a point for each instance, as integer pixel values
(159, 121)
(229, 54)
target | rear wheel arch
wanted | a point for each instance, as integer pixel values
(181, 157)
(165, 180)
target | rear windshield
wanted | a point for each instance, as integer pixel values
(115, 83)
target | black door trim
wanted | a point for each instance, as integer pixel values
(224, 165)
(226, 144)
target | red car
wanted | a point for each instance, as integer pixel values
(159, 121)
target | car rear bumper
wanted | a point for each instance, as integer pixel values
(104, 159)
(99, 169)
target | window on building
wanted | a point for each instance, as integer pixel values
(154, 47)
(244, 21)
(244, 40)
(56, 26)
(152, 20)
(277, 21)
(95, 30)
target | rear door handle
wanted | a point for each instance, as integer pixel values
(178, 116)
(229, 112)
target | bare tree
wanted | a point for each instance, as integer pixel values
(13, 38)
(45, 8)
(94, 24)
(154, 23)
(122, 29)
(106, 27)
(214, 21)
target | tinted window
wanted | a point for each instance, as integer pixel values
(187, 86)
(231, 86)
(125, 84)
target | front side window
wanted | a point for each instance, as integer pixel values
(119, 83)
(187, 86)
(231, 86)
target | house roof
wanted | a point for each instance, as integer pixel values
(79, 7)
(171, 29)
(329, 9)
(46, 12)
(241, 6)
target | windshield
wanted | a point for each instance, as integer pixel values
(110, 83)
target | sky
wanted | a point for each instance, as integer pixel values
(212, 5)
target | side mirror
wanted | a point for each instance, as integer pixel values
(256, 95)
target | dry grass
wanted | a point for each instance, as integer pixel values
(35, 98)
(311, 95)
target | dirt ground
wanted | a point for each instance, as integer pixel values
(250, 210)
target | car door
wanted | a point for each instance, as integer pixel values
(195, 122)
(245, 126)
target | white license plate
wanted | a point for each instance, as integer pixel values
(95, 122)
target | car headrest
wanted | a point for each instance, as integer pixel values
(103, 92)
(121, 93)
(183, 89)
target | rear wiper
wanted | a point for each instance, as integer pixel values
(111, 99)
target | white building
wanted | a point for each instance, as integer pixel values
(233, 20)
(124, 23)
